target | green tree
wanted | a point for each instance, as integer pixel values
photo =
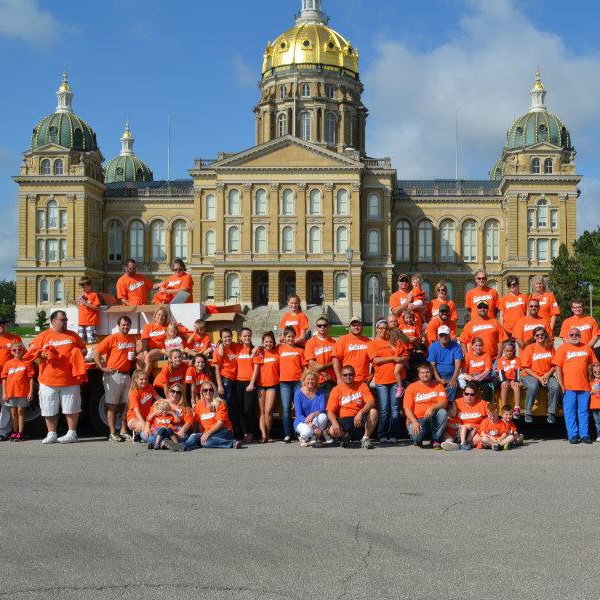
(8, 299)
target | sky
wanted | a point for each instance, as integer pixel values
(422, 63)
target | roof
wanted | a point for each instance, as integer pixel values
(175, 187)
(447, 185)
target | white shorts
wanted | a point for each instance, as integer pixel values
(116, 388)
(53, 398)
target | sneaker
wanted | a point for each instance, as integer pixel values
(303, 442)
(383, 440)
(69, 438)
(328, 439)
(418, 444)
(367, 443)
(598, 439)
(450, 445)
(528, 418)
(287, 439)
(3, 438)
(115, 437)
(465, 446)
(174, 446)
(496, 447)
(551, 418)
(399, 392)
(51, 438)
(150, 446)
(137, 437)
(12, 437)
(586, 440)
(574, 440)
(345, 440)
(237, 445)
(392, 440)
(126, 437)
(516, 413)
(436, 446)
(312, 441)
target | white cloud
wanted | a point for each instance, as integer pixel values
(243, 73)
(27, 21)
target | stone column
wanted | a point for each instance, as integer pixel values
(196, 244)
(273, 211)
(246, 226)
(355, 211)
(328, 212)
(300, 209)
(521, 227)
(301, 286)
(328, 288)
(220, 223)
(274, 288)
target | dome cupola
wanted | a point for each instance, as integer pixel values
(127, 166)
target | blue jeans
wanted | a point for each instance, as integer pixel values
(432, 427)
(576, 408)
(287, 389)
(533, 386)
(222, 438)
(596, 415)
(163, 432)
(389, 410)
(450, 391)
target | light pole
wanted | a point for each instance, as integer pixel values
(590, 290)
(349, 255)
(373, 307)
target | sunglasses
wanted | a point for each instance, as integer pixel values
(481, 278)
(208, 391)
(469, 394)
(442, 290)
(540, 335)
(347, 374)
(176, 392)
(321, 324)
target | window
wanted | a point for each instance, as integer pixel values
(373, 207)
(41, 219)
(281, 125)
(530, 218)
(233, 239)
(287, 240)
(158, 241)
(330, 128)
(210, 207)
(548, 165)
(44, 290)
(426, 287)
(52, 214)
(554, 247)
(542, 213)
(63, 219)
(52, 250)
(315, 202)
(58, 167)
(63, 249)
(329, 91)
(233, 203)
(180, 240)
(342, 202)
(425, 241)
(373, 243)
(287, 205)
(492, 240)
(260, 240)
(115, 242)
(447, 241)
(470, 241)
(305, 90)
(209, 288)
(209, 243)
(554, 219)
(449, 288)
(305, 126)
(45, 167)
(341, 286)
(535, 165)
(530, 249)
(260, 204)
(40, 249)
(341, 239)
(372, 288)
(58, 290)
(233, 286)
(542, 250)
(282, 92)
(136, 240)
(403, 241)
(314, 240)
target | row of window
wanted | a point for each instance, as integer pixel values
(51, 216)
(537, 249)
(538, 217)
(306, 92)
(51, 250)
(50, 293)
(57, 168)
(305, 126)
(536, 166)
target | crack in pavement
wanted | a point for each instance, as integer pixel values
(363, 558)
(467, 501)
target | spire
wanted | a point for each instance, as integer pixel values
(538, 94)
(64, 95)
(312, 12)
(127, 141)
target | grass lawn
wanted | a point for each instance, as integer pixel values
(337, 330)
(22, 330)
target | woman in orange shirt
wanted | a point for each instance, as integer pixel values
(224, 360)
(548, 305)
(183, 413)
(296, 319)
(173, 372)
(291, 365)
(477, 369)
(179, 282)
(244, 395)
(441, 293)
(141, 397)
(153, 338)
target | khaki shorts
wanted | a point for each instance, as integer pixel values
(16, 402)
(116, 388)
(53, 398)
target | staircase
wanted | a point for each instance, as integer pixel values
(267, 318)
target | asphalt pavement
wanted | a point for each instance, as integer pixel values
(101, 521)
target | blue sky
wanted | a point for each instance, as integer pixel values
(200, 61)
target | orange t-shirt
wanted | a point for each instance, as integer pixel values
(399, 298)
(175, 282)
(494, 430)
(419, 396)
(510, 427)
(347, 400)
(537, 358)
(60, 371)
(476, 295)
(433, 309)
(207, 418)
(525, 325)
(509, 366)
(384, 374)
(470, 414)
(298, 322)
(133, 289)
(142, 400)
(18, 375)
(167, 377)
(227, 363)
(87, 316)
(6, 343)
(513, 307)
(574, 362)
(291, 362)
(412, 331)
(157, 421)
(321, 351)
(156, 334)
(595, 395)
(268, 361)
(489, 330)
(587, 325)
(473, 364)
(192, 376)
(548, 305)
(116, 347)
(199, 343)
(431, 334)
(353, 350)
(453, 426)
(245, 366)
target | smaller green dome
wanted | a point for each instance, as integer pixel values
(536, 127)
(127, 168)
(497, 171)
(65, 129)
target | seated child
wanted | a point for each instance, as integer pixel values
(174, 341)
(477, 369)
(161, 424)
(452, 432)
(471, 411)
(199, 342)
(514, 438)
(492, 430)
(508, 372)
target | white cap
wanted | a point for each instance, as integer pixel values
(443, 329)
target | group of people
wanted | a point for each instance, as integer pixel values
(353, 389)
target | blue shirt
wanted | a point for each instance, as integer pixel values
(444, 357)
(304, 406)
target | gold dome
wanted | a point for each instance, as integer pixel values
(311, 44)
(64, 86)
(538, 85)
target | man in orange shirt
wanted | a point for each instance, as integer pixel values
(443, 318)
(481, 293)
(403, 298)
(425, 405)
(487, 328)
(353, 349)
(586, 325)
(319, 355)
(132, 288)
(524, 327)
(6, 342)
(351, 410)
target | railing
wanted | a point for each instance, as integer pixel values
(385, 163)
(150, 192)
(449, 192)
(204, 162)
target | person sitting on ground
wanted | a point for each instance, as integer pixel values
(477, 369)
(492, 430)
(509, 373)
(141, 397)
(445, 357)
(17, 389)
(160, 422)
(471, 411)
(514, 438)
(311, 421)
(451, 436)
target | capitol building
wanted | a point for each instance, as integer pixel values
(305, 209)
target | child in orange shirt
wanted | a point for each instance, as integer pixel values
(509, 367)
(17, 389)
(173, 372)
(419, 297)
(594, 396)
(452, 432)
(514, 438)
(196, 374)
(199, 342)
(477, 369)
(296, 319)
(161, 424)
(174, 341)
(89, 311)
(492, 430)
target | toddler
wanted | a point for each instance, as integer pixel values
(174, 341)
(514, 438)
(492, 430)
(17, 389)
(161, 424)
(509, 366)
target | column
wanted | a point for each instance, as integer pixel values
(300, 206)
(27, 226)
(246, 226)
(71, 225)
(220, 224)
(219, 287)
(328, 289)
(273, 210)
(169, 246)
(521, 227)
(246, 288)
(301, 286)
(386, 238)
(197, 226)
(274, 288)
(480, 246)
(355, 211)
(328, 212)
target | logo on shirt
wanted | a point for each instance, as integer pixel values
(477, 299)
(530, 326)
(476, 363)
(242, 356)
(206, 416)
(145, 398)
(470, 415)
(124, 345)
(171, 284)
(518, 302)
(61, 342)
(423, 396)
(14, 370)
(576, 354)
(482, 327)
(353, 347)
(583, 327)
(541, 355)
(356, 397)
(157, 332)
(269, 360)
(291, 323)
(136, 285)
(322, 350)
(289, 354)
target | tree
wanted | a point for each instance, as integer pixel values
(8, 299)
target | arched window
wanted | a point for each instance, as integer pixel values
(341, 286)
(44, 290)
(233, 202)
(63, 249)
(305, 133)
(233, 286)
(52, 213)
(447, 241)
(287, 204)
(158, 241)
(548, 166)
(305, 90)
(260, 240)
(136, 240)
(342, 202)
(115, 241)
(314, 202)
(58, 290)
(329, 91)
(180, 240)
(491, 233)
(208, 291)
(52, 250)
(260, 202)
(210, 243)
(403, 241)
(314, 240)
(469, 239)
(210, 207)
(45, 168)
(373, 243)
(341, 239)
(373, 207)
(425, 231)
(58, 167)
(281, 124)
(233, 239)
(372, 288)
(287, 240)
(330, 128)
(535, 165)
(542, 213)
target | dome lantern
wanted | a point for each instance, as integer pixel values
(64, 96)
(538, 94)
(126, 166)
(127, 140)
(312, 12)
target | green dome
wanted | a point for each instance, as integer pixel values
(127, 168)
(535, 127)
(65, 129)
(497, 171)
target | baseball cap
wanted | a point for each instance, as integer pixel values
(443, 329)
(356, 318)
(483, 303)
(444, 307)
(403, 276)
